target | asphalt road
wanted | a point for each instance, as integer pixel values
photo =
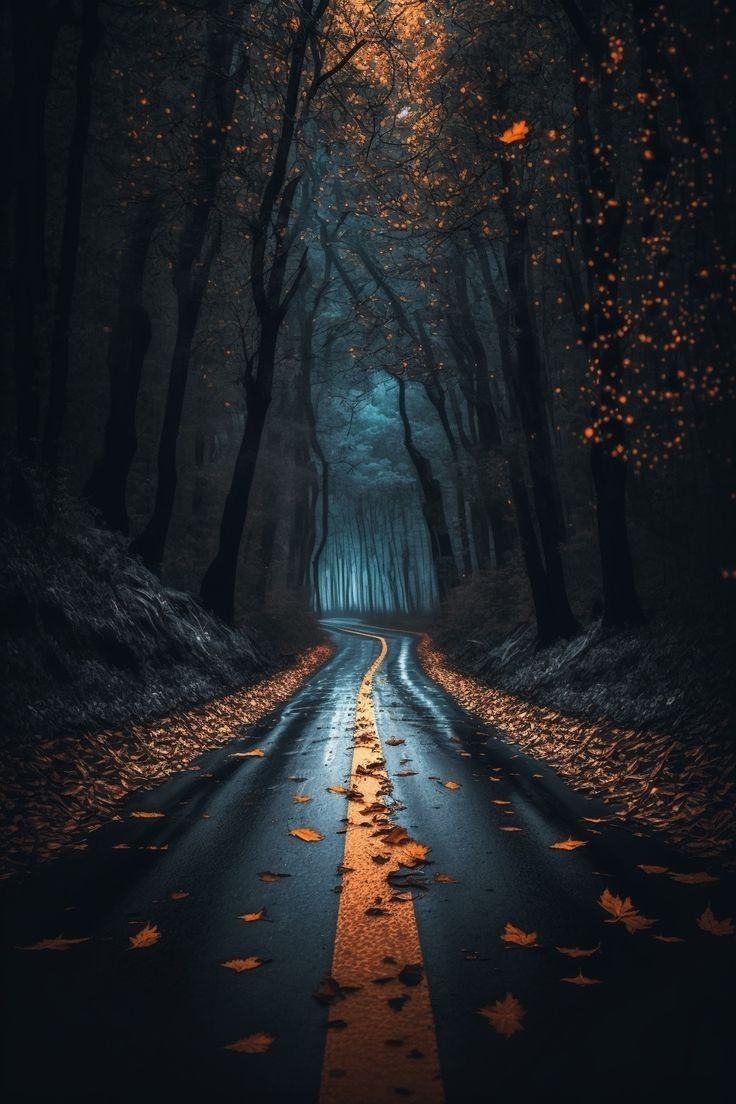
(106, 1021)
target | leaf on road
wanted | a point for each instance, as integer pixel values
(258, 1043)
(708, 922)
(569, 844)
(450, 785)
(623, 911)
(240, 965)
(301, 799)
(669, 938)
(581, 979)
(505, 1015)
(251, 917)
(650, 868)
(309, 835)
(578, 952)
(147, 814)
(405, 773)
(444, 879)
(512, 934)
(337, 789)
(394, 743)
(511, 828)
(146, 937)
(699, 878)
(58, 943)
(514, 133)
(396, 837)
(178, 894)
(254, 753)
(329, 991)
(413, 853)
(498, 801)
(271, 876)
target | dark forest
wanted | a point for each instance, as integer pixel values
(368, 531)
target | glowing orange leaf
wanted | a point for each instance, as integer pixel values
(146, 937)
(240, 965)
(505, 1015)
(568, 845)
(581, 979)
(623, 911)
(58, 943)
(309, 835)
(708, 922)
(514, 133)
(512, 934)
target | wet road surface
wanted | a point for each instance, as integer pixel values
(105, 1020)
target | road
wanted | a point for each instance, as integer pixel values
(412, 961)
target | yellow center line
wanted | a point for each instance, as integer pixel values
(388, 1040)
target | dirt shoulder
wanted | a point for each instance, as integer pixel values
(69, 786)
(679, 783)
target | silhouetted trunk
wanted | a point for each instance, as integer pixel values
(91, 38)
(528, 381)
(129, 341)
(35, 30)
(432, 507)
(603, 216)
(218, 585)
(223, 77)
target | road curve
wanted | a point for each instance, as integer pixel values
(112, 1019)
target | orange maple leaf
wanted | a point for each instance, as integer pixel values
(581, 979)
(251, 917)
(578, 952)
(240, 965)
(623, 911)
(505, 1015)
(301, 799)
(309, 835)
(146, 937)
(699, 878)
(514, 133)
(146, 814)
(708, 922)
(512, 934)
(568, 845)
(258, 1043)
(451, 785)
(58, 943)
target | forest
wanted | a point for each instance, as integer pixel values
(414, 316)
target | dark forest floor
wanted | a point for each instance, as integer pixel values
(90, 639)
(642, 718)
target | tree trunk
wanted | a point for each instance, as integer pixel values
(91, 38)
(129, 341)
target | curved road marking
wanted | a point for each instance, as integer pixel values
(382, 1048)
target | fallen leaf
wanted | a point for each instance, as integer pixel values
(413, 853)
(58, 943)
(444, 879)
(623, 911)
(240, 965)
(451, 785)
(708, 922)
(578, 952)
(581, 979)
(669, 938)
(258, 1043)
(512, 934)
(699, 878)
(405, 773)
(146, 937)
(514, 133)
(309, 835)
(568, 845)
(251, 917)
(254, 753)
(145, 814)
(178, 894)
(301, 799)
(511, 828)
(498, 801)
(337, 789)
(649, 868)
(411, 974)
(271, 876)
(505, 1015)
(394, 743)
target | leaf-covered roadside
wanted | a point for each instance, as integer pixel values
(683, 789)
(70, 785)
